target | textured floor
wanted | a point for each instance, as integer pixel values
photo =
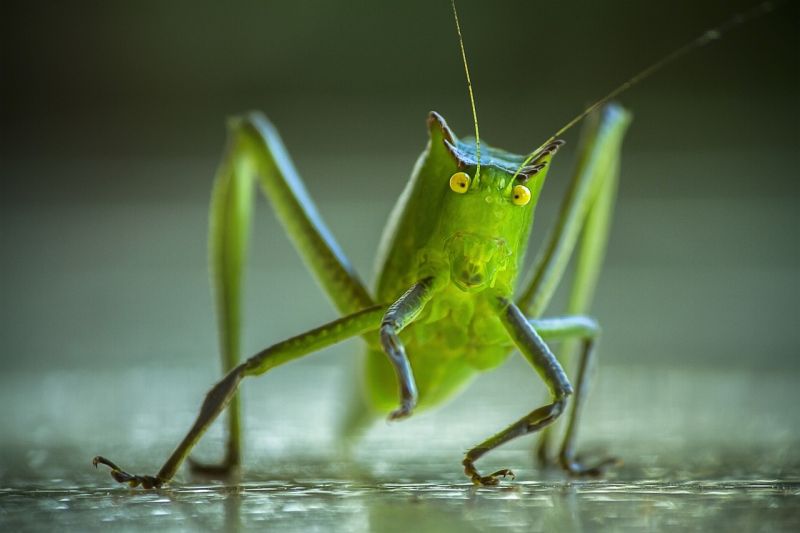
(697, 456)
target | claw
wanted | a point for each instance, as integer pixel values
(121, 476)
(493, 478)
(485, 481)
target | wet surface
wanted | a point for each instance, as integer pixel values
(326, 505)
(716, 468)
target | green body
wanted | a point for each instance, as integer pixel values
(434, 231)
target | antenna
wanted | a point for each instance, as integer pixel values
(703, 39)
(469, 86)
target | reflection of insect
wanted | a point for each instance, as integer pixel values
(444, 307)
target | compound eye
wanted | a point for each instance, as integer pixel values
(520, 195)
(459, 182)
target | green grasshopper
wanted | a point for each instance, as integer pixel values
(450, 299)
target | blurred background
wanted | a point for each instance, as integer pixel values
(112, 122)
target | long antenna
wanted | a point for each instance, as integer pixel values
(703, 39)
(469, 86)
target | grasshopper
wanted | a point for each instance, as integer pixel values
(451, 299)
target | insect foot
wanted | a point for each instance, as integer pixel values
(485, 481)
(404, 411)
(121, 476)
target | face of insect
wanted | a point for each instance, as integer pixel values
(487, 213)
(487, 217)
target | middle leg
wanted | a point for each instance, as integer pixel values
(223, 392)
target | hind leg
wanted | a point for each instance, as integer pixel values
(255, 155)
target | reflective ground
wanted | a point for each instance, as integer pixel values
(696, 457)
(325, 505)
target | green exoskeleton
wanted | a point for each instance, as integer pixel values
(451, 299)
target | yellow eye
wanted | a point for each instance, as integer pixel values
(520, 195)
(459, 182)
